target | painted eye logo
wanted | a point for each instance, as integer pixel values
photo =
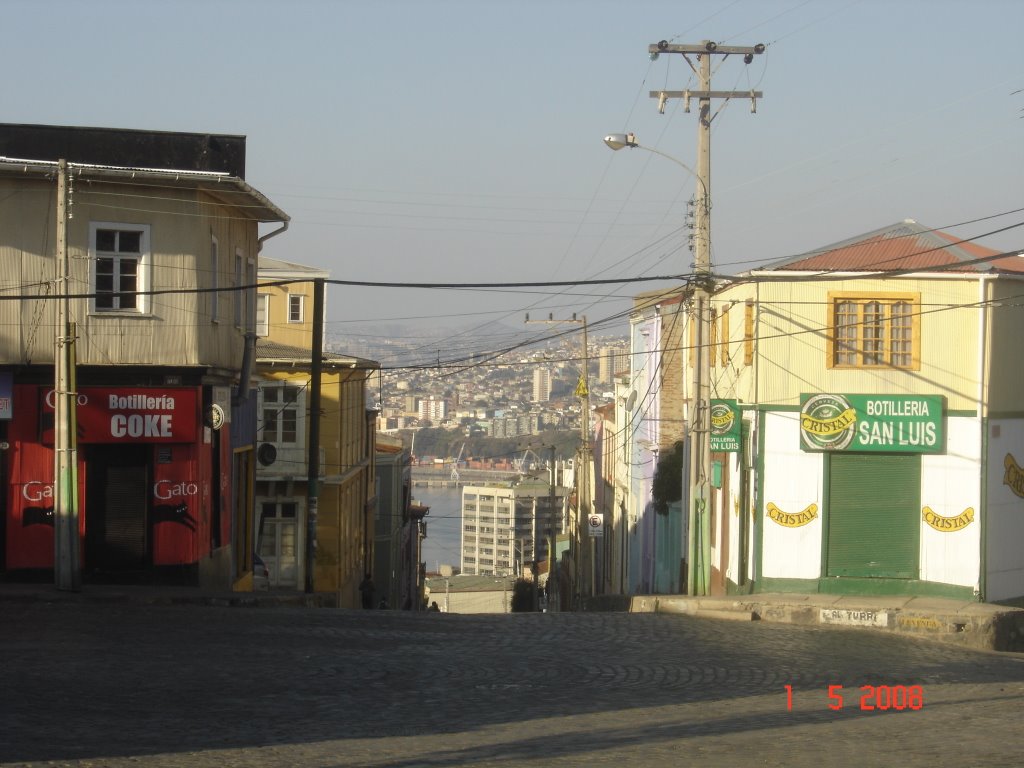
(827, 423)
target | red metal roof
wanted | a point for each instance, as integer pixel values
(903, 246)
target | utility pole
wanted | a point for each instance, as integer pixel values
(66, 570)
(698, 548)
(313, 459)
(578, 549)
(555, 519)
(535, 568)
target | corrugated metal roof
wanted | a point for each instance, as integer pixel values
(268, 351)
(464, 582)
(275, 267)
(903, 246)
(249, 199)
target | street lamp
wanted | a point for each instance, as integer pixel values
(698, 423)
(617, 141)
(702, 214)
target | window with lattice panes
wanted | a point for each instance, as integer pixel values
(874, 331)
(263, 314)
(296, 307)
(280, 414)
(119, 267)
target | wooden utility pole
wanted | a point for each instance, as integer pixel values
(698, 547)
(313, 425)
(66, 569)
(584, 572)
(552, 590)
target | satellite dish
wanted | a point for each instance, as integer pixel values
(631, 401)
(266, 454)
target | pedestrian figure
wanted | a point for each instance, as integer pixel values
(433, 607)
(366, 589)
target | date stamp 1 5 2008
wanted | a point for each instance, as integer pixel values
(873, 697)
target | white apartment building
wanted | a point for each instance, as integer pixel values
(541, 385)
(498, 526)
(433, 410)
(611, 360)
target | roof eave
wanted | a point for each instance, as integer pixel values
(208, 181)
(784, 274)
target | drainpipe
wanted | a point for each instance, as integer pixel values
(983, 518)
(249, 351)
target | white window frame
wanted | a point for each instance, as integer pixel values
(214, 278)
(250, 295)
(300, 540)
(142, 273)
(239, 293)
(280, 407)
(298, 300)
(263, 314)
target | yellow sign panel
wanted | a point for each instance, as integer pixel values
(791, 519)
(1014, 476)
(581, 388)
(919, 622)
(831, 426)
(948, 524)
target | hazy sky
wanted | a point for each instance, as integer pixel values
(460, 141)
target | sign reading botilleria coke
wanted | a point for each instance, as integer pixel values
(130, 414)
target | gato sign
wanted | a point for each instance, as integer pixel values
(126, 415)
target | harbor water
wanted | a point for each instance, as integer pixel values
(444, 525)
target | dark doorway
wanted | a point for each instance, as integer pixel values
(117, 510)
(3, 495)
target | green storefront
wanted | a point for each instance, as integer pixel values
(872, 485)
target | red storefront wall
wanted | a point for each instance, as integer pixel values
(172, 439)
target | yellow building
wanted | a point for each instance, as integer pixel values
(865, 423)
(345, 487)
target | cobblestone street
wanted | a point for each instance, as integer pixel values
(118, 684)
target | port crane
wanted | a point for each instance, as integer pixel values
(455, 465)
(522, 466)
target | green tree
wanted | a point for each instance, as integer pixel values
(522, 596)
(668, 479)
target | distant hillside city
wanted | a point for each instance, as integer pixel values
(488, 405)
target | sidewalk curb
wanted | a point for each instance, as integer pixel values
(37, 593)
(983, 626)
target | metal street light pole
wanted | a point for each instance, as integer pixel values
(700, 447)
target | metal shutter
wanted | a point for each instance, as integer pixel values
(125, 535)
(874, 503)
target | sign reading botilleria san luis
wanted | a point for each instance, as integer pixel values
(872, 423)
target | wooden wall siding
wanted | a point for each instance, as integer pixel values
(674, 386)
(1004, 359)
(341, 529)
(791, 323)
(176, 331)
(342, 428)
(347, 479)
(280, 330)
(26, 232)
